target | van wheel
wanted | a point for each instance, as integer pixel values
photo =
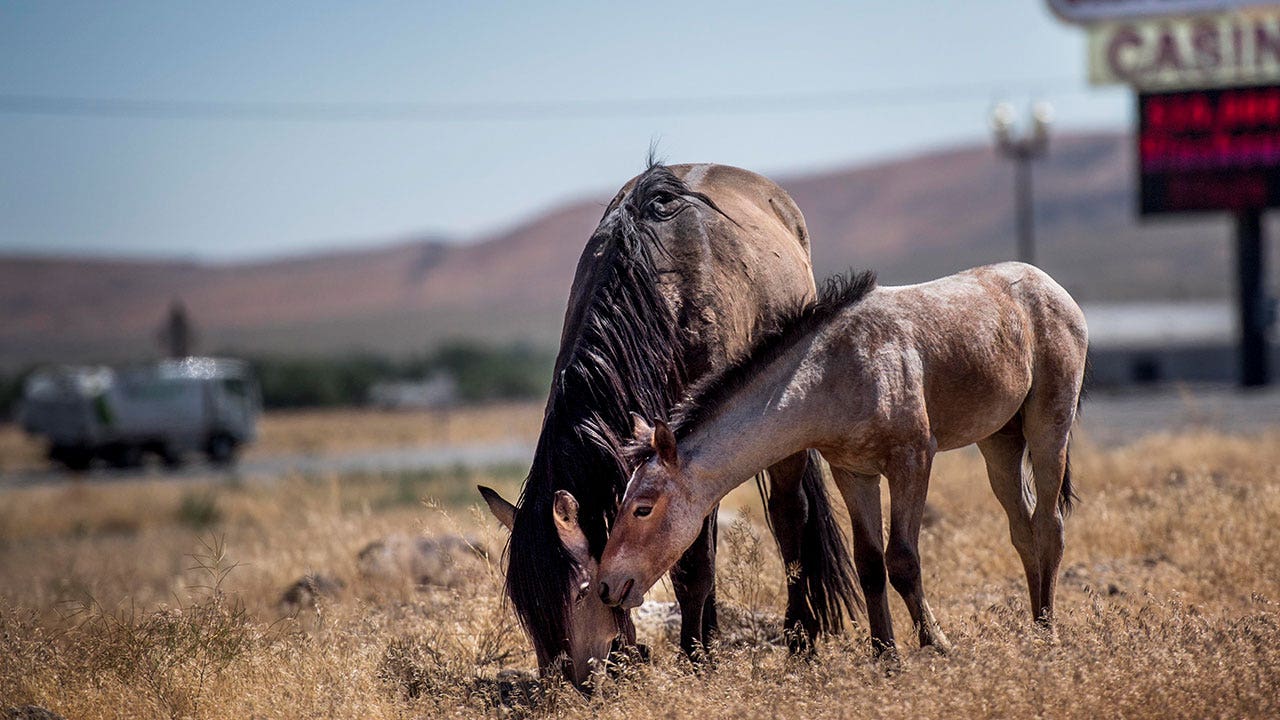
(172, 459)
(221, 449)
(124, 456)
(72, 457)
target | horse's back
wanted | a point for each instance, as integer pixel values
(982, 339)
(743, 267)
(1058, 342)
(1055, 320)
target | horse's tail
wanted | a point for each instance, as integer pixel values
(826, 568)
(1067, 496)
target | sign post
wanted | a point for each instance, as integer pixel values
(1254, 306)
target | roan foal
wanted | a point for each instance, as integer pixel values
(878, 379)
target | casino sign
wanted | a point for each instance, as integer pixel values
(1213, 149)
(1208, 93)
(1236, 48)
(1087, 12)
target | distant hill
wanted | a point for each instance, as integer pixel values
(910, 219)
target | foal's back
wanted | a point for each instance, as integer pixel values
(962, 353)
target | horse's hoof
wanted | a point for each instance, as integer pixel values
(890, 661)
(800, 646)
(699, 660)
(641, 654)
(939, 644)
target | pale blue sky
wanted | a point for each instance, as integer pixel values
(873, 80)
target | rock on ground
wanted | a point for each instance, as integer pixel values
(302, 595)
(418, 559)
(739, 627)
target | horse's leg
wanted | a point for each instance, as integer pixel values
(788, 511)
(820, 577)
(1047, 425)
(693, 578)
(908, 476)
(862, 496)
(710, 620)
(1003, 453)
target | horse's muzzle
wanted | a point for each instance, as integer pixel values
(607, 597)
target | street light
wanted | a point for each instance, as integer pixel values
(1022, 148)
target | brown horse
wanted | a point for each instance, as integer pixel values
(878, 380)
(687, 265)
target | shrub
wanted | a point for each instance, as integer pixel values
(199, 510)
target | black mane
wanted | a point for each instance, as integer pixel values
(709, 394)
(623, 354)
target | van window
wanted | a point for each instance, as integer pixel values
(235, 387)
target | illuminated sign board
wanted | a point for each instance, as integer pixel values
(1092, 11)
(1184, 53)
(1216, 149)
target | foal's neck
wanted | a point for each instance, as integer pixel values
(767, 418)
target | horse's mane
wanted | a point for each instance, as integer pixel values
(624, 354)
(710, 394)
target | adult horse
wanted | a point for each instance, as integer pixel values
(688, 263)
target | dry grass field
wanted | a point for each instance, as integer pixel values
(161, 599)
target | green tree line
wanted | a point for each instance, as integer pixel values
(481, 373)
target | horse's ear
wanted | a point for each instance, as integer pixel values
(641, 430)
(664, 444)
(501, 509)
(565, 514)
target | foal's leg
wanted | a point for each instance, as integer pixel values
(1003, 453)
(862, 496)
(908, 477)
(1047, 427)
(694, 580)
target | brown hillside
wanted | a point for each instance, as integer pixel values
(910, 219)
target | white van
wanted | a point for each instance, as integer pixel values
(170, 408)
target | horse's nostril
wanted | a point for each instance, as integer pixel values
(604, 591)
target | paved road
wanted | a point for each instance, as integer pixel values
(1110, 418)
(474, 455)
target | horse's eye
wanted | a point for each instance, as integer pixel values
(582, 592)
(662, 206)
(643, 511)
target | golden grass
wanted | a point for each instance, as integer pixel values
(334, 431)
(1168, 604)
(18, 451)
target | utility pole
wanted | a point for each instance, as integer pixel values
(177, 335)
(1022, 149)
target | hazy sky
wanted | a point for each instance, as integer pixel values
(259, 129)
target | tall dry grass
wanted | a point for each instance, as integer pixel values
(115, 601)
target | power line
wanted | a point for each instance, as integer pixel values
(509, 111)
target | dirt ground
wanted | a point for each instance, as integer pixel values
(155, 599)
